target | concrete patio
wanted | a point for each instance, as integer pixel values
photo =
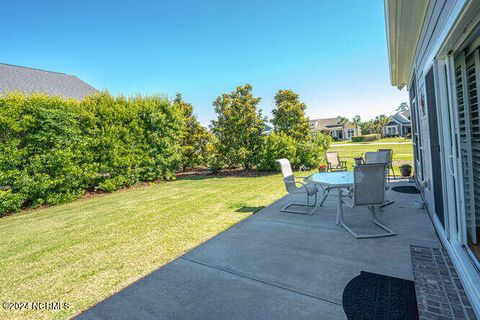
(276, 265)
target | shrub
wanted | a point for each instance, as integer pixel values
(276, 146)
(54, 149)
(279, 145)
(214, 159)
(10, 201)
(366, 137)
(195, 137)
(312, 152)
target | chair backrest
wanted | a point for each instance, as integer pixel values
(369, 184)
(286, 167)
(287, 173)
(376, 157)
(389, 153)
(333, 159)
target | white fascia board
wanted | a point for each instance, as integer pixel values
(403, 23)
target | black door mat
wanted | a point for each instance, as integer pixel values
(375, 296)
(406, 189)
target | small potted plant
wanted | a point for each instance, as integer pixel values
(406, 170)
(322, 168)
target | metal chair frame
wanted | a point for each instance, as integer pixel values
(390, 162)
(371, 206)
(294, 186)
(340, 165)
(382, 156)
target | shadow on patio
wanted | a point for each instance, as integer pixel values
(276, 265)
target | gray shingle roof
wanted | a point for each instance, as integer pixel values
(400, 118)
(30, 80)
(321, 124)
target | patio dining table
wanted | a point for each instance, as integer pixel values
(335, 180)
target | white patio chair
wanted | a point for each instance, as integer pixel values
(376, 157)
(292, 188)
(368, 191)
(390, 162)
(383, 157)
(334, 163)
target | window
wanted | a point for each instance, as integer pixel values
(350, 133)
(391, 131)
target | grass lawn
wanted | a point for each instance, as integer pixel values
(82, 252)
(402, 153)
(383, 140)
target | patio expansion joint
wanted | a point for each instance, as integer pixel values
(334, 228)
(261, 281)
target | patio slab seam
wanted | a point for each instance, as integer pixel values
(337, 228)
(261, 281)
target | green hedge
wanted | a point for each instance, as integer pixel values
(366, 137)
(52, 149)
(276, 146)
(310, 152)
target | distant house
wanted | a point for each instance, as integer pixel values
(400, 124)
(29, 80)
(267, 129)
(334, 128)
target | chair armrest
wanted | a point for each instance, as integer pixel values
(302, 185)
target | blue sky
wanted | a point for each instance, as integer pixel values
(333, 53)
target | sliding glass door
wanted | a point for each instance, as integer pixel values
(467, 82)
(435, 148)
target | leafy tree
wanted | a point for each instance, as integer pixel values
(356, 122)
(312, 152)
(289, 115)
(195, 137)
(343, 121)
(403, 107)
(367, 127)
(379, 122)
(239, 127)
(374, 126)
(276, 146)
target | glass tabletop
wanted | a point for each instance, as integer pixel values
(334, 179)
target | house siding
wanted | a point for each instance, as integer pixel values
(438, 13)
(433, 44)
(330, 125)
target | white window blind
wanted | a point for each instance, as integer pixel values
(466, 76)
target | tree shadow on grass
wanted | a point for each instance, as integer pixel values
(247, 209)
